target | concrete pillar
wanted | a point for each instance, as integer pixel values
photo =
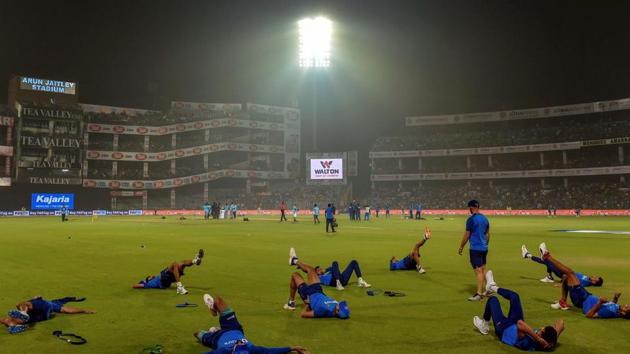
(145, 170)
(173, 167)
(400, 164)
(542, 159)
(173, 199)
(490, 161)
(468, 162)
(419, 163)
(565, 182)
(621, 154)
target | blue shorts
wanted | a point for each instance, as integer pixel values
(153, 283)
(578, 295)
(307, 290)
(478, 258)
(228, 322)
(167, 278)
(406, 263)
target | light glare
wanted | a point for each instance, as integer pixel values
(314, 42)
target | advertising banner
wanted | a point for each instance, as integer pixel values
(326, 169)
(492, 149)
(52, 112)
(201, 106)
(46, 201)
(182, 127)
(175, 154)
(6, 121)
(182, 181)
(595, 171)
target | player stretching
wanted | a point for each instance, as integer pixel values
(229, 338)
(170, 275)
(37, 310)
(333, 276)
(512, 330)
(585, 280)
(412, 260)
(591, 305)
(317, 304)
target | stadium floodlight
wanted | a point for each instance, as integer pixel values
(314, 42)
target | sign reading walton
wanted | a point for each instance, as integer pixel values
(45, 85)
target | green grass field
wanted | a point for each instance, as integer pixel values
(246, 263)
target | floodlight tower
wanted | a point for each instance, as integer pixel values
(314, 54)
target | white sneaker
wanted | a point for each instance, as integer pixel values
(491, 285)
(421, 270)
(290, 305)
(525, 253)
(214, 329)
(481, 325)
(547, 279)
(363, 284)
(559, 306)
(339, 286)
(292, 256)
(181, 290)
(543, 250)
(475, 297)
(209, 301)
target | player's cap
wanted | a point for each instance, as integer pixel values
(344, 310)
(473, 204)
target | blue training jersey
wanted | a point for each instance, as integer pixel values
(584, 279)
(229, 339)
(510, 337)
(607, 310)
(329, 213)
(40, 311)
(478, 225)
(326, 278)
(322, 305)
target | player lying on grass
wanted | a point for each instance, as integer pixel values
(37, 310)
(316, 303)
(229, 338)
(170, 275)
(512, 330)
(585, 280)
(412, 260)
(332, 276)
(591, 305)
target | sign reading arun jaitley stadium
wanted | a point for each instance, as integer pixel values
(46, 85)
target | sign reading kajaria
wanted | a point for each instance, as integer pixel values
(45, 85)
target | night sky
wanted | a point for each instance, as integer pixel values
(390, 58)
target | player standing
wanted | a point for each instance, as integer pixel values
(315, 214)
(478, 233)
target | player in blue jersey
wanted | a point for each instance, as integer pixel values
(333, 276)
(585, 280)
(592, 306)
(512, 329)
(170, 275)
(229, 338)
(37, 310)
(316, 303)
(412, 260)
(478, 235)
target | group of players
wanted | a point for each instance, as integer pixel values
(510, 329)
